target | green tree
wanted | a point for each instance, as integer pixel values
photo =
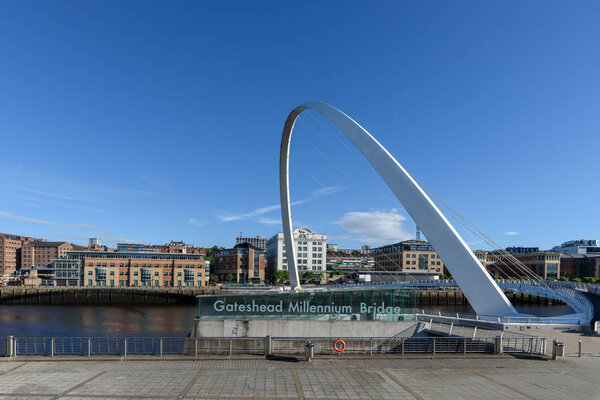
(279, 276)
(308, 275)
(213, 278)
(229, 277)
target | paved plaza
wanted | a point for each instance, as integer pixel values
(487, 377)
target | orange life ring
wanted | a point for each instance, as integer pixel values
(339, 349)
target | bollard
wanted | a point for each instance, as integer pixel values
(580, 345)
(543, 346)
(558, 349)
(498, 345)
(9, 347)
(268, 346)
(309, 350)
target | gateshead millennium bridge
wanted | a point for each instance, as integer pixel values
(482, 291)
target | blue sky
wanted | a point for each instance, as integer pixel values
(151, 121)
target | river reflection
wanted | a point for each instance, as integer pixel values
(147, 321)
(84, 321)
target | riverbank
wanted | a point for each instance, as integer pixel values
(103, 296)
(187, 295)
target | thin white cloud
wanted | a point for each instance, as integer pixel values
(315, 194)
(194, 221)
(375, 227)
(6, 214)
(269, 221)
(51, 195)
(511, 233)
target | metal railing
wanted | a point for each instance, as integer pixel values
(568, 292)
(265, 346)
(477, 319)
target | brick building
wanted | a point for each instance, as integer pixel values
(546, 264)
(580, 266)
(245, 262)
(10, 253)
(40, 253)
(133, 266)
(417, 255)
(176, 247)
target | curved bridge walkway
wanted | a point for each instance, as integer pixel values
(568, 292)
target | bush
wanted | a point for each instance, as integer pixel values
(563, 279)
(577, 280)
(589, 279)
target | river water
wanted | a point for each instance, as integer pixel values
(140, 321)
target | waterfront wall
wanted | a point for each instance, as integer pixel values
(187, 295)
(301, 328)
(102, 296)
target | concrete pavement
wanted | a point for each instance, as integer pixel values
(486, 377)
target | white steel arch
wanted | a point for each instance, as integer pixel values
(480, 289)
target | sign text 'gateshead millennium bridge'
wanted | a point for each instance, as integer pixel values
(382, 304)
(304, 307)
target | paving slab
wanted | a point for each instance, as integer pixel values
(486, 377)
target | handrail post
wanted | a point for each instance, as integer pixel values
(230, 346)
(51, 347)
(433, 346)
(580, 348)
(196, 347)
(161, 346)
(371, 346)
(465, 346)
(402, 346)
(89, 347)
(124, 347)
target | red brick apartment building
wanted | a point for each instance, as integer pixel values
(10, 253)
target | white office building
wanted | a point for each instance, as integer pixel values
(256, 241)
(580, 246)
(311, 251)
